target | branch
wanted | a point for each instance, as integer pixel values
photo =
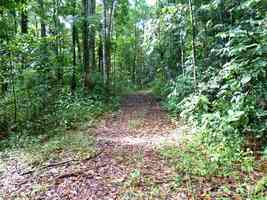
(62, 163)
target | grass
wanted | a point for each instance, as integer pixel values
(76, 145)
(61, 146)
(203, 173)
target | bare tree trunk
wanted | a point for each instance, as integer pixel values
(107, 31)
(79, 48)
(24, 22)
(86, 52)
(13, 13)
(43, 25)
(92, 31)
(100, 55)
(73, 80)
(135, 56)
(193, 44)
(13, 82)
(104, 38)
(182, 52)
(24, 30)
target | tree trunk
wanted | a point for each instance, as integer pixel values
(182, 53)
(79, 48)
(104, 42)
(92, 61)
(43, 25)
(193, 44)
(107, 31)
(58, 69)
(86, 52)
(100, 55)
(24, 22)
(73, 80)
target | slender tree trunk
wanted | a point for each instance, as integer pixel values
(193, 43)
(104, 42)
(182, 53)
(43, 25)
(36, 26)
(24, 30)
(73, 80)
(107, 31)
(14, 15)
(92, 35)
(100, 55)
(24, 22)
(79, 48)
(13, 82)
(86, 52)
(114, 62)
(135, 56)
(56, 43)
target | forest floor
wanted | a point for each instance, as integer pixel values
(126, 163)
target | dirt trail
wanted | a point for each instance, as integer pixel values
(128, 167)
(140, 121)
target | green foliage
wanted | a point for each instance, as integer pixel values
(260, 186)
(72, 110)
(230, 101)
(199, 158)
(77, 144)
(56, 145)
(159, 88)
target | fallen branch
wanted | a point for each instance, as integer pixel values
(62, 163)
(73, 174)
(70, 175)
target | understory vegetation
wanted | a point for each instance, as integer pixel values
(63, 64)
(227, 105)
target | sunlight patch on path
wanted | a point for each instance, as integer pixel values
(170, 138)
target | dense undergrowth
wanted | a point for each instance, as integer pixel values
(227, 109)
(59, 131)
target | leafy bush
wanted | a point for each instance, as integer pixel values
(233, 100)
(199, 158)
(72, 110)
(177, 91)
(160, 88)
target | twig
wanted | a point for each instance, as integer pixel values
(189, 186)
(69, 175)
(62, 163)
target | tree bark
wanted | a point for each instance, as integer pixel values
(24, 22)
(42, 11)
(193, 43)
(104, 42)
(100, 55)
(107, 31)
(86, 52)
(73, 79)
(92, 7)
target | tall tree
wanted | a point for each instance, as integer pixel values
(74, 34)
(86, 51)
(24, 21)
(92, 9)
(42, 14)
(193, 43)
(108, 11)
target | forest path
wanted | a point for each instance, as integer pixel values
(127, 166)
(139, 122)
(130, 166)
